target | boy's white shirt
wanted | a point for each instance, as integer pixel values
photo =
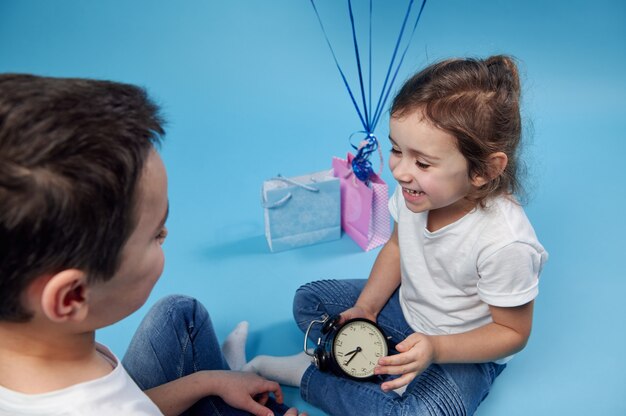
(450, 277)
(114, 394)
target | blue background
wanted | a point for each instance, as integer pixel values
(250, 90)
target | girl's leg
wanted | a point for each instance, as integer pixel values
(331, 297)
(289, 370)
(454, 389)
(334, 394)
(175, 339)
(441, 390)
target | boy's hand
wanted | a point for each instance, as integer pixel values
(249, 392)
(294, 412)
(416, 353)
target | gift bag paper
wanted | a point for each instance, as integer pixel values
(297, 216)
(364, 212)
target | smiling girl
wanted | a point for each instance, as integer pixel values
(455, 284)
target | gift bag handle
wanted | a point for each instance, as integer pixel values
(287, 197)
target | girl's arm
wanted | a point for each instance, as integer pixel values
(383, 280)
(506, 335)
(244, 391)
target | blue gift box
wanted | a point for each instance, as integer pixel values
(301, 210)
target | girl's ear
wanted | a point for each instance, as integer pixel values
(64, 296)
(496, 163)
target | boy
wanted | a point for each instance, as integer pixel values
(83, 205)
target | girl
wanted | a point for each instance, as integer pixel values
(454, 286)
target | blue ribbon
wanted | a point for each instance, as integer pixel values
(361, 165)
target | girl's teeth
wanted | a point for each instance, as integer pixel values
(412, 192)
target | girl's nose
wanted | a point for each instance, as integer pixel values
(401, 171)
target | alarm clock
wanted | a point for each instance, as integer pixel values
(351, 349)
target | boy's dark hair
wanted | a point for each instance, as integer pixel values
(478, 102)
(71, 154)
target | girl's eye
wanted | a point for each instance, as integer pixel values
(395, 151)
(421, 165)
(161, 235)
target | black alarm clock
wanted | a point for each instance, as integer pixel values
(351, 349)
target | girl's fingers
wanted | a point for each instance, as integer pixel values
(396, 369)
(398, 382)
(397, 359)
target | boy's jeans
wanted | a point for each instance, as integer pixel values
(176, 338)
(446, 389)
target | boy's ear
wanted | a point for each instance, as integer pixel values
(496, 164)
(64, 296)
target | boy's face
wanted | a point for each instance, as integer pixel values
(428, 166)
(142, 256)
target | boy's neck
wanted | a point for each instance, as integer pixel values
(37, 360)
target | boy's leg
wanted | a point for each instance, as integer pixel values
(175, 339)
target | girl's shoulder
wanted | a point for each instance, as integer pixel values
(504, 222)
(507, 212)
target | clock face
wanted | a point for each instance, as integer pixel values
(357, 346)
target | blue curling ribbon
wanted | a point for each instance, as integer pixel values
(361, 165)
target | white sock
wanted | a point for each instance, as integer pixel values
(234, 348)
(286, 370)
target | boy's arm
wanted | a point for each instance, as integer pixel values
(244, 391)
(506, 335)
(383, 280)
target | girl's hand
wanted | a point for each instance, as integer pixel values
(416, 353)
(356, 312)
(249, 392)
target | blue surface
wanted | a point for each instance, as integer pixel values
(250, 90)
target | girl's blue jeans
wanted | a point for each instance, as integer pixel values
(176, 338)
(442, 389)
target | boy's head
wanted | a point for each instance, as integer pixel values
(71, 154)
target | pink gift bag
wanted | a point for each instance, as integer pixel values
(364, 212)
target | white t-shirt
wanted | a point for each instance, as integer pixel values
(490, 256)
(114, 394)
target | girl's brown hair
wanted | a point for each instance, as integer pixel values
(478, 102)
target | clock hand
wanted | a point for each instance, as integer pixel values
(348, 362)
(358, 349)
(353, 351)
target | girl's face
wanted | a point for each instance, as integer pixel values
(430, 169)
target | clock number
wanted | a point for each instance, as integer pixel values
(363, 347)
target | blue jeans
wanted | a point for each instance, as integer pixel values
(175, 339)
(442, 389)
